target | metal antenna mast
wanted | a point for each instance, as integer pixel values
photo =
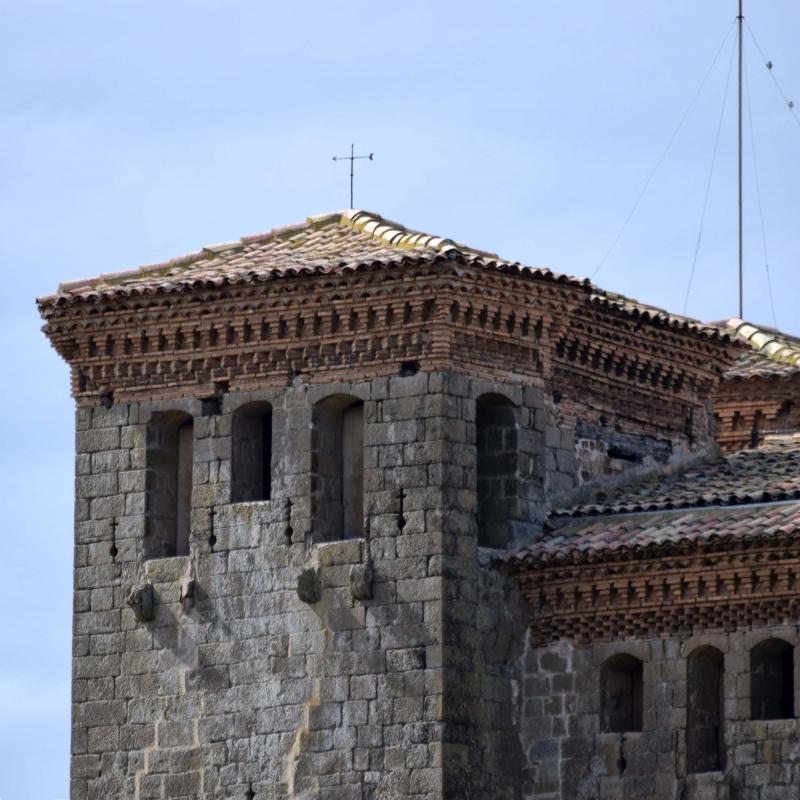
(741, 187)
(352, 158)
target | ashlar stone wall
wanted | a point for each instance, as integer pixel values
(207, 676)
(570, 757)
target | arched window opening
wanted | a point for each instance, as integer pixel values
(783, 419)
(338, 468)
(704, 732)
(170, 448)
(251, 453)
(772, 680)
(756, 431)
(621, 681)
(496, 440)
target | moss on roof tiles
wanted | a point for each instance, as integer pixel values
(647, 535)
(772, 354)
(326, 243)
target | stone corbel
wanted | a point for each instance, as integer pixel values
(361, 577)
(309, 586)
(142, 601)
(188, 593)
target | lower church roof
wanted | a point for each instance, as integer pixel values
(648, 535)
(747, 497)
(764, 474)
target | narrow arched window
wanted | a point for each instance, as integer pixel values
(704, 729)
(496, 441)
(168, 503)
(353, 471)
(338, 468)
(772, 680)
(251, 453)
(757, 430)
(783, 419)
(621, 686)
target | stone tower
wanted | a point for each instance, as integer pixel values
(299, 456)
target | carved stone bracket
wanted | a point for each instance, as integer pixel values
(361, 577)
(142, 601)
(309, 587)
(188, 592)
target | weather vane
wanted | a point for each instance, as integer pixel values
(352, 158)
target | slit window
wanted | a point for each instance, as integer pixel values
(704, 732)
(338, 468)
(756, 431)
(251, 453)
(772, 680)
(170, 449)
(621, 680)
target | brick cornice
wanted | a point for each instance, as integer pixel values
(442, 314)
(749, 409)
(694, 590)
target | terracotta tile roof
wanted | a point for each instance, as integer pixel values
(338, 242)
(646, 535)
(772, 354)
(646, 312)
(749, 495)
(767, 473)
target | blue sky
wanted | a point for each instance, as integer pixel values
(133, 132)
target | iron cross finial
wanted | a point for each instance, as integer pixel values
(352, 158)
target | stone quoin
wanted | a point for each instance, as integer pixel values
(366, 514)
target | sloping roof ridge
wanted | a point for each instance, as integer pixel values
(175, 275)
(392, 233)
(398, 235)
(706, 506)
(770, 342)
